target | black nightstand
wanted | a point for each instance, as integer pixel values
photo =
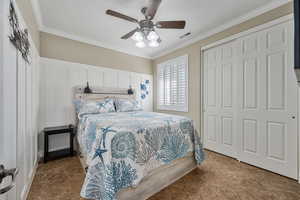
(60, 153)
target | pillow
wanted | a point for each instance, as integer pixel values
(94, 107)
(126, 105)
(106, 105)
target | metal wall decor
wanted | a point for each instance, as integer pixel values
(18, 37)
(144, 86)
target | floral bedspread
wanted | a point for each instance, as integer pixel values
(122, 148)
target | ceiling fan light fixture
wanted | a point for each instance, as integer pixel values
(152, 36)
(138, 36)
(145, 33)
(140, 44)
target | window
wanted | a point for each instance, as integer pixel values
(172, 85)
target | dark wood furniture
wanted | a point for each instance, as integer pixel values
(59, 153)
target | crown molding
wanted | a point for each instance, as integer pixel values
(239, 20)
(274, 22)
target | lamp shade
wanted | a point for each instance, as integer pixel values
(152, 36)
(140, 44)
(153, 43)
(138, 36)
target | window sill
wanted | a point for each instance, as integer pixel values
(173, 108)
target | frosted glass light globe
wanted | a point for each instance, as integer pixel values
(140, 44)
(138, 36)
(153, 44)
(152, 36)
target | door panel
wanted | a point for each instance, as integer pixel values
(227, 130)
(227, 89)
(219, 102)
(250, 136)
(276, 66)
(19, 109)
(212, 92)
(250, 75)
(212, 128)
(8, 110)
(267, 113)
(276, 141)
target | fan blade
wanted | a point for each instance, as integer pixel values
(171, 24)
(152, 8)
(119, 15)
(128, 35)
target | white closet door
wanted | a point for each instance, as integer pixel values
(267, 100)
(219, 101)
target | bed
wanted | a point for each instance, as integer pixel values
(132, 155)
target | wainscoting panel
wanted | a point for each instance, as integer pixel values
(59, 78)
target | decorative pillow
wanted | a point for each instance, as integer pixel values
(126, 105)
(106, 106)
(94, 107)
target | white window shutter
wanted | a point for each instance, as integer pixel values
(161, 86)
(172, 77)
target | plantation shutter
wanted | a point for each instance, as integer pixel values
(172, 77)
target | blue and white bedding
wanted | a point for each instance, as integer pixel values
(122, 148)
(125, 105)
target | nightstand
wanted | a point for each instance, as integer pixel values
(60, 153)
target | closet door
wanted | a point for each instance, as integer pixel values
(219, 101)
(267, 100)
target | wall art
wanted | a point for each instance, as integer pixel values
(144, 86)
(18, 37)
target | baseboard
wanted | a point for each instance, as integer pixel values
(32, 175)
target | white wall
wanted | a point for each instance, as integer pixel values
(58, 78)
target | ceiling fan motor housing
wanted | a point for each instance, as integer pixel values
(146, 26)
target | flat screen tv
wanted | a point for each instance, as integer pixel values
(297, 33)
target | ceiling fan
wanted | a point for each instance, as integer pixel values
(145, 32)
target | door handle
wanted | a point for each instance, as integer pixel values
(6, 173)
